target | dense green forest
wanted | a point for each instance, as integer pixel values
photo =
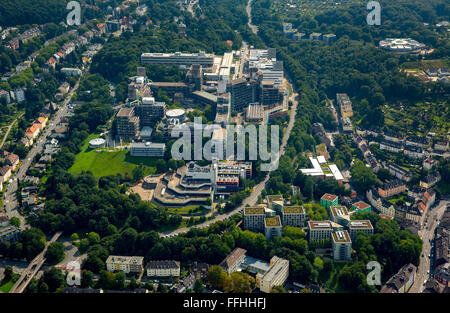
(18, 12)
(26, 12)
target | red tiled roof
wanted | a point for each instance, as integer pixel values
(329, 197)
(361, 205)
(32, 128)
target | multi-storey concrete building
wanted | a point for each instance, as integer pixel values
(357, 226)
(345, 104)
(340, 215)
(319, 230)
(178, 58)
(275, 202)
(402, 281)
(342, 245)
(127, 124)
(275, 276)
(254, 218)
(391, 188)
(272, 227)
(361, 206)
(293, 216)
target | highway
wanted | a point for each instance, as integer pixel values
(426, 235)
(32, 268)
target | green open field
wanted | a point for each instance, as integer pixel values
(103, 163)
(185, 210)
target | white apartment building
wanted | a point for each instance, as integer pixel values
(272, 227)
(355, 227)
(126, 264)
(341, 245)
(178, 58)
(254, 218)
(340, 215)
(293, 216)
(275, 276)
(319, 230)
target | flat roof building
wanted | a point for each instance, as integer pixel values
(293, 216)
(342, 245)
(340, 215)
(275, 276)
(272, 227)
(178, 58)
(328, 200)
(319, 230)
(254, 218)
(357, 226)
(148, 149)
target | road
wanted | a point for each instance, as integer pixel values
(426, 235)
(10, 200)
(32, 269)
(254, 28)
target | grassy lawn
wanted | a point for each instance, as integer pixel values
(185, 210)
(105, 163)
(5, 287)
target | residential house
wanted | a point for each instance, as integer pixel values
(127, 264)
(5, 173)
(430, 180)
(402, 281)
(164, 268)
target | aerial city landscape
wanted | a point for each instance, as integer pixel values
(233, 146)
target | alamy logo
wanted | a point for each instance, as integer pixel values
(374, 276)
(222, 143)
(74, 16)
(374, 16)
